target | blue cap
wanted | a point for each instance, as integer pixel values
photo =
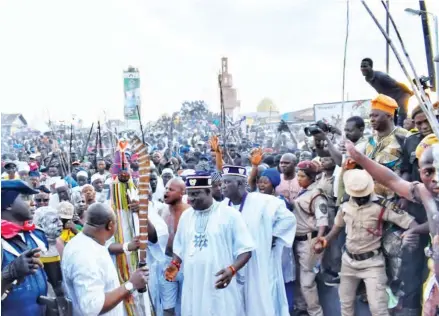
(33, 174)
(11, 189)
(18, 186)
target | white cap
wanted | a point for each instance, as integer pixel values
(167, 170)
(22, 166)
(66, 210)
(52, 180)
(82, 173)
(187, 172)
(97, 176)
(60, 183)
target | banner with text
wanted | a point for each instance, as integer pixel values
(131, 83)
(336, 113)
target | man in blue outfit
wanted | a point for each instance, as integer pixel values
(23, 279)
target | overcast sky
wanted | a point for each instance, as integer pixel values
(60, 58)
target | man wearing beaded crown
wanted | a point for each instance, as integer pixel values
(272, 227)
(212, 243)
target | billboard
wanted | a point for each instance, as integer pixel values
(131, 84)
(336, 113)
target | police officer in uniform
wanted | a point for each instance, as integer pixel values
(311, 211)
(362, 216)
(22, 271)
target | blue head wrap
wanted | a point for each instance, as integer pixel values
(273, 175)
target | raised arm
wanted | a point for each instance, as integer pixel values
(379, 173)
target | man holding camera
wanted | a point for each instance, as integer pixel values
(324, 135)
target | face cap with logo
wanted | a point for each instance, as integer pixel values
(234, 171)
(200, 180)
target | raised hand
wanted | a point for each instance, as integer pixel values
(214, 144)
(256, 156)
(351, 150)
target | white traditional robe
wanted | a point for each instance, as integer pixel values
(266, 216)
(227, 238)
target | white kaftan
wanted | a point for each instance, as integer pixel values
(89, 273)
(227, 238)
(266, 217)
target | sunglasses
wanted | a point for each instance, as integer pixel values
(41, 200)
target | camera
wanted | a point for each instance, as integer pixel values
(424, 82)
(317, 128)
(283, 127)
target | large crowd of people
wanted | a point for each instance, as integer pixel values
(259, 225)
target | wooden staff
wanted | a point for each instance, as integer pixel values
(143, 189)
(84, 151)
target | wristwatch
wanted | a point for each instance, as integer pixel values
(129, 287)
(125, 247)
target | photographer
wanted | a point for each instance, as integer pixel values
(281, 138)
(324, 137)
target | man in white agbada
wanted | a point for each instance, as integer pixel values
(272, 227)
(62, 193)
(212, 243)
(90, 277)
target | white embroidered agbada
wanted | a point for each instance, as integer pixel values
(266, 216)
(227, 238)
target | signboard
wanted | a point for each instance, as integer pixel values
(131, 84)
(336, 114)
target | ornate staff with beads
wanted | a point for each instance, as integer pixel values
(143, 192)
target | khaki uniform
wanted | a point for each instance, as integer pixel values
(311, 212)
(362, 238)
(326, 184)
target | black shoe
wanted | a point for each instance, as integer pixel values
(330, 280)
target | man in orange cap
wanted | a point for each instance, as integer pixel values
(385, 147)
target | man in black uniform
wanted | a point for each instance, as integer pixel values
(414, 262)
(385, 84)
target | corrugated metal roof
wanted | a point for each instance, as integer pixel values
(8, 119)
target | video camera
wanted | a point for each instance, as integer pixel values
(316, 128)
